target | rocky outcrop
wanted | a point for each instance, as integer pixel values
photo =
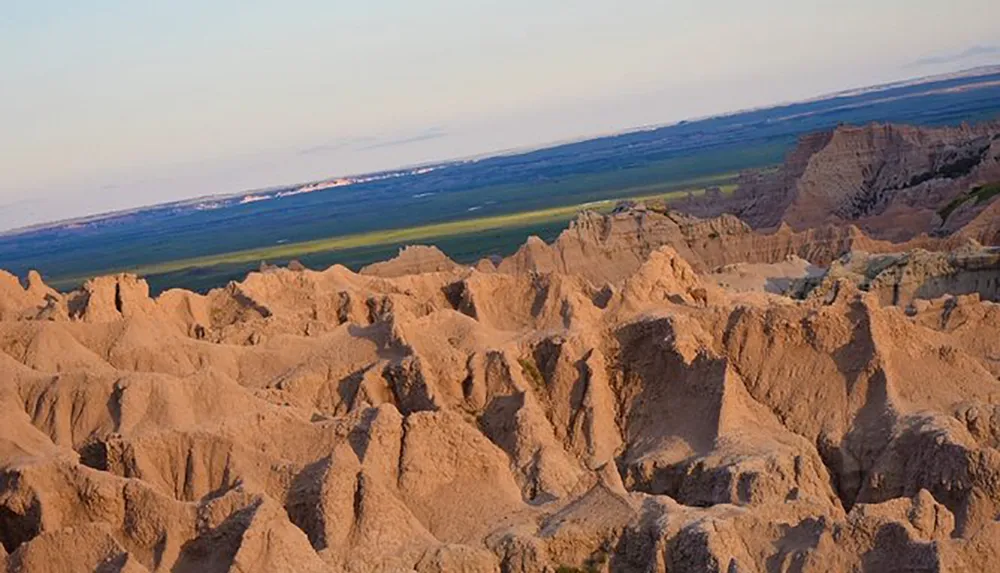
(895, 182)
(606, 248)
(412, 260)
(903, 279)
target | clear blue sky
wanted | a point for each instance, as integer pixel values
(110, 104)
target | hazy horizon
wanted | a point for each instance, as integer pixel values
(126, 106)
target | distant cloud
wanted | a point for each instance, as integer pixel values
(954, 58)
(338, 144)
(368, 143)
(433, 133)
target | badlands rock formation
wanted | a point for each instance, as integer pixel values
(598, 404)
(892, 181)
(412, 260)
(605, 249)
(905, 278)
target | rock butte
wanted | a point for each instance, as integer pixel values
(635, 396)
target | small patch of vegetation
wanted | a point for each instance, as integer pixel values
(948, 209)
(530, 370)
(979, 194)
(986, 192)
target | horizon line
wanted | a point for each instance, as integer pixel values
(509, 151)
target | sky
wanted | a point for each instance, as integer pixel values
(113, 104)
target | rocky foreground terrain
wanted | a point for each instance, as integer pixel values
(637, 396)
(651, 392)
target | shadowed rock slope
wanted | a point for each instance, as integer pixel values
(591, 405)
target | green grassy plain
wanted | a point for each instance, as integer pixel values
(468, 215)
